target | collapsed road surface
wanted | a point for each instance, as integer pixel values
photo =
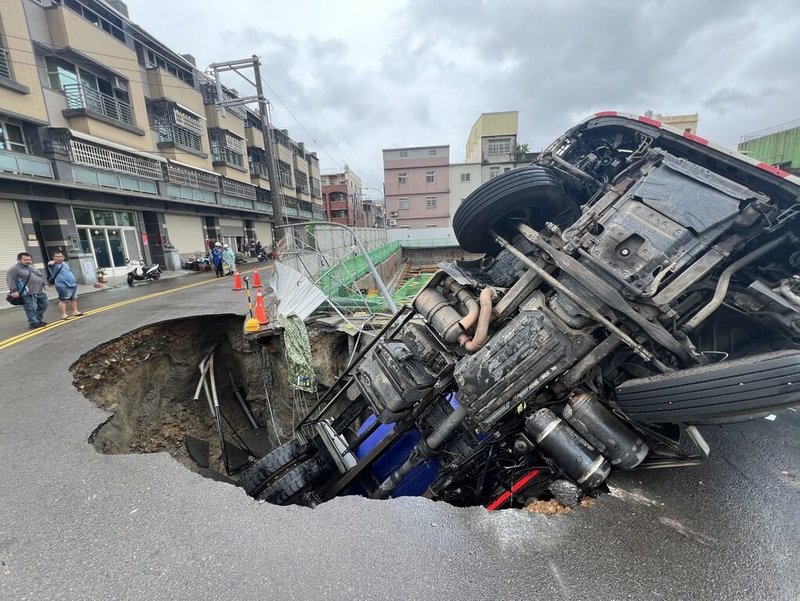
(78, 524)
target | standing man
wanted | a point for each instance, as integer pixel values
(216, 257)
(66, 285)
(26, 282)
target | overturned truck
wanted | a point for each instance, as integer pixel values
(637, 282)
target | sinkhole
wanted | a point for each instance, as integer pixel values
(246, 432)
(148, 380)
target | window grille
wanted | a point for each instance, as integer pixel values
(186, 176)
(104, 158)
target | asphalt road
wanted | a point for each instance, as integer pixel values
(75, 524)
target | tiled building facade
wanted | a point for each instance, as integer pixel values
(112, 146)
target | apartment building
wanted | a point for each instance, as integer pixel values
(343, 198)
(374, 214)
(417, 186)
(112, 145)
(492, 143)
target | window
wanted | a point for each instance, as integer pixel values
(494, 172)
(431, 225)
(402, 154)
(402, 178)
(430, 202)
(498, 146)
(60, 73)
(506, 169)
(12, 138)
(285, 172)
(430, 177)
(402, 204)
(226, 148)
(466, 177)
(431, 152)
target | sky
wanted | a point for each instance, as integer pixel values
(350, 78)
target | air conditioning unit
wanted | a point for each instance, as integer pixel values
(393, 214)
(119, 84)
(393, 223)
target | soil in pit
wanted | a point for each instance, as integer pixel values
(147, 380)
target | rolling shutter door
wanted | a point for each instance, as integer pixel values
(263, 232)
(231, 227)
(11, 242)
(186, 233)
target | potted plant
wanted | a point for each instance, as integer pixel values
(101, 275)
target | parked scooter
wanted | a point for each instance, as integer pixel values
(138, 271)
(265, 255)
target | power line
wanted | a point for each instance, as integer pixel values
(288, 110)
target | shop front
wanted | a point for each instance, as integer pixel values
(110, 237)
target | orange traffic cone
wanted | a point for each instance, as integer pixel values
(260, 313)
(237, 281)
(256, 279)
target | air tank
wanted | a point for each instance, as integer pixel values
(558, 441)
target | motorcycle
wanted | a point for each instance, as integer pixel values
(265, 255)
(138, 272)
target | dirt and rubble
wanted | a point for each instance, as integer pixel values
(147, 380)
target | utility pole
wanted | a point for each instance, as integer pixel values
(254, 62)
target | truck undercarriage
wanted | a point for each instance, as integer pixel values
(636, 283)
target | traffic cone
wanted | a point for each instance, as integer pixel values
(260, 312)
(256, 279)
(237, 281)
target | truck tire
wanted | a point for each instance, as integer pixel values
(533, 195)
(722, 391)
(259, 475)
(298, 479)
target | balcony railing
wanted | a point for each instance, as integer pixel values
(4, 70)
(23, 164)
(81, 97)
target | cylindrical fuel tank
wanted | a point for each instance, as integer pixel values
(580, 460)
(616, 441)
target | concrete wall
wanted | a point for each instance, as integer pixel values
(460, 190)
(19, 51)
(419, 257)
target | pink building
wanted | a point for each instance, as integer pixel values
(417, 186)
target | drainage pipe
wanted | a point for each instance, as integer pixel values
(423, 449)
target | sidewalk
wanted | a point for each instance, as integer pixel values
(114, 282)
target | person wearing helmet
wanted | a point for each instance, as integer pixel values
(216, 257)
(228, 259)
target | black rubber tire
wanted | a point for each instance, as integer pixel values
(259, 475)
(721, 391)
(296, 480)
(157, 275)
(532, 195)
(130, 280)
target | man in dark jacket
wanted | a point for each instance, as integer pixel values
(216, 257)
(25, 281)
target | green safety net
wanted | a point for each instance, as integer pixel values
(337, 282)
